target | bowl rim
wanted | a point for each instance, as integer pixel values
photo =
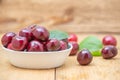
(23, 52)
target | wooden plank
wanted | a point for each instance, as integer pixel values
(99, 69)
(88, 28)
(87, 16)
(9, 72)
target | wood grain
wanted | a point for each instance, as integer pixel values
(84, 15)
(9, 72)
(99, 69)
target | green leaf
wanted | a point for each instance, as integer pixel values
(58, 34)
(93, 44)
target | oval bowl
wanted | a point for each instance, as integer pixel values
(37, 60)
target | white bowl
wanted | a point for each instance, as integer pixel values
(37, 60)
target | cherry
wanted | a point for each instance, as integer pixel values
(109, 40)
(40, 33)
(6, 39)
(63, 45)
(35, 46)
(19, 43)
(26, 33)
(34, 38)
(72, 37)
(109, 52)
(75, 48)
(84, 57)
(53, 45)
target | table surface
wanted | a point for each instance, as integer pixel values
(82, 17)
(99, 68)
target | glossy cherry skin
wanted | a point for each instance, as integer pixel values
(75, 48)
(26, 33)
(7, 38)
(109, 52)
(63, 45)
(53, 45)
(40, 33)
(19, 43)
(109, 40)
(35, 46)
(72, 37)
(84, 57)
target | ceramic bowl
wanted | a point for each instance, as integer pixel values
(37, 60)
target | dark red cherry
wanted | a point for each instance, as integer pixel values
(63, 45)
(109, 40)
(19, 43)
(109, 52)
(35, 46)
(40, 33)
(84, 57)
(6, 39)
(75, 48)
(26, 33)
(53, 45)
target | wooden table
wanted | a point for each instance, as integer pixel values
(99, 69)
(82, 17)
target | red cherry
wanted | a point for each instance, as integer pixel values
(26, 33)
(72, 37)
(53, 45)
(6, 39)
(40, 33)
(35, 46)
(75, 48)
(63, 45)
(84, 57)
(109, 52)
(109, 40)
(19, 43)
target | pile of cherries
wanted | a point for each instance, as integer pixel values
(85, 57)
(36, 38)
(33, 38)
(109, 51)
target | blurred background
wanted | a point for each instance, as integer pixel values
(80, 16)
